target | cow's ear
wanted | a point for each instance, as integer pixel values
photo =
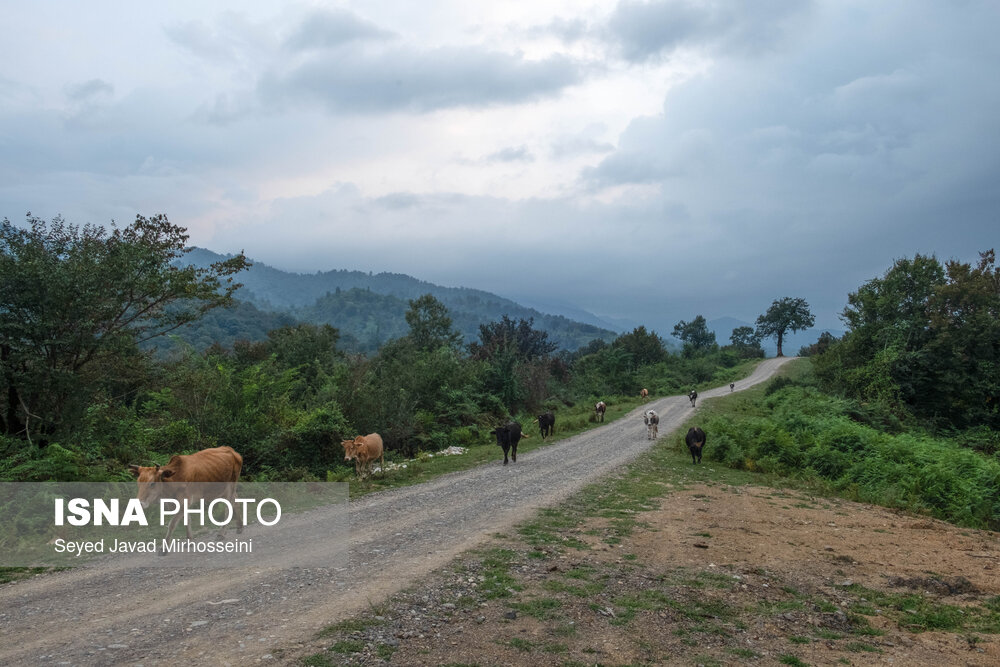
(134, 469)
(167, 472)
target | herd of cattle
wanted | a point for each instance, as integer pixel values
(222, 465)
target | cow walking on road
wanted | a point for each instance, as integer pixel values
(206, 475)
(652, 424)
(508, 436)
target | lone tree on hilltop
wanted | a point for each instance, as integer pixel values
(787, 314)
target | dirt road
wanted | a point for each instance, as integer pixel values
(182, 616)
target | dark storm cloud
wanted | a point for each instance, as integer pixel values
(415, 80)
(809, 173)
(645, 30)
(323, 28)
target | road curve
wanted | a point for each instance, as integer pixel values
(101, 616)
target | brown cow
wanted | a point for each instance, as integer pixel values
(643, 393)
(206, 475)
(363, 450)
(599, 410)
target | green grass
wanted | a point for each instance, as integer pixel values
(920, 613)
(347, 646)
(317, 660)
(540, 608)
(9, 574)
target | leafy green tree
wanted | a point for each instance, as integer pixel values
(822, 344)
(784, 315)
(888, 326)
(960, 365)
(696, 336)
(746, 343)
(517, 361)
(77, 299)
(645, 347)
(430, 324)
(526, 342)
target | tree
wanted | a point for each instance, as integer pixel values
(75, 299)
(924, 339)
(430, 325)
(526, 342)
(746, 343)
(957, 374)
(786, 314)
(517, 364)
(645, 346)
(696, 336)
(888, 326)
(822, 344)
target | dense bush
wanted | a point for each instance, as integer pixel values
(793, 429)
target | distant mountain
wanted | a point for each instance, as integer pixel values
(723, 328)
(370, 308)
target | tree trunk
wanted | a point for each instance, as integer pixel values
(11, 424)
(781, 335)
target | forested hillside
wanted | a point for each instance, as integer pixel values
(369, 308)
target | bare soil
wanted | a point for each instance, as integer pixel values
(714, 575)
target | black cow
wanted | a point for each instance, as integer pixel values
(693, 396)
(507, 437)
(547, 423)
(599, 410)
(695, 440)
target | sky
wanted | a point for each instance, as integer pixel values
(649, 161)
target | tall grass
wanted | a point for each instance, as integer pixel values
(791, 428)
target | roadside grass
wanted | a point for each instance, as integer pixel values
(9, 574)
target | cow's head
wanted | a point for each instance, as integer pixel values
(350, 449)
(151, 479)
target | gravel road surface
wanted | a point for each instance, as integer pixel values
(168, 616)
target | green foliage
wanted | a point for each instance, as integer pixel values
(75, 303)
(286, 398)
(784, 315)
(793, 429)
(696, 336)
(924, 339)
(430, 325)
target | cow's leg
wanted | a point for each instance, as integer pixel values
(513, 452)
(505, 450)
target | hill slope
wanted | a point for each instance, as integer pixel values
(371, 307)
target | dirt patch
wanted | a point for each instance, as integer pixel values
(715, 575)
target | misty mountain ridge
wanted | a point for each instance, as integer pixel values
(369, 308)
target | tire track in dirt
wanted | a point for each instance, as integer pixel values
(110, 615)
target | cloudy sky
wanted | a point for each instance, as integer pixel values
(648, 160)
